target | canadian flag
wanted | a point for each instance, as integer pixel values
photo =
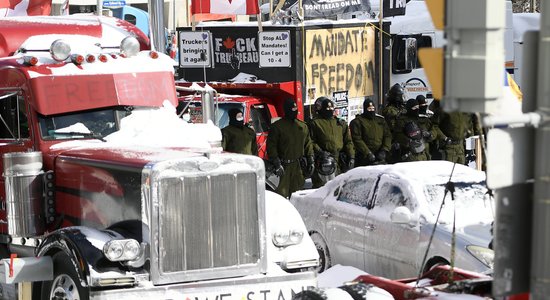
(13, 8)
(233, 7)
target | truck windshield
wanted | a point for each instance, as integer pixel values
(193, 112)
(90, 124)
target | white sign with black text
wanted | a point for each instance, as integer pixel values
(195, 49)
(274, 48)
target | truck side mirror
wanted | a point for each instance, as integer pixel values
(410, 53)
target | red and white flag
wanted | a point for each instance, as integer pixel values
(13, 8)
(232, 7)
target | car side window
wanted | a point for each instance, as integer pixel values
(357, 191)
(391, 195)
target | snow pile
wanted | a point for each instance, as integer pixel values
(246, 78)
(78, 127)
(153, 128)
(338, 275)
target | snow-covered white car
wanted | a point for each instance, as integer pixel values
(380, 218)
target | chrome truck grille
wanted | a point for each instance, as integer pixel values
(210, 225)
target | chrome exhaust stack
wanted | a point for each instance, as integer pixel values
(24, 193)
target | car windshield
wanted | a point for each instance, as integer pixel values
(82, 125)
(471, 202)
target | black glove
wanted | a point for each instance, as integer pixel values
(381, 155)
(448, 141)
(351, 163)
(310, 166)
(279, 170)
(426, 135)
(370, 157)
(395, 147)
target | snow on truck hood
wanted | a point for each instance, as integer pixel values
(152, 128)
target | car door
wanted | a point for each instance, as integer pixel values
(345, 216)
(391, 248)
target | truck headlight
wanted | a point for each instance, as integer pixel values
(285, 238)
(120, 250)
(60, 50)
(484, 255)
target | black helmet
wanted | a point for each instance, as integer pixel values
(325, 165)
(319, 103)
(396, 93)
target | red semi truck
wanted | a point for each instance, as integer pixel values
(95, 211)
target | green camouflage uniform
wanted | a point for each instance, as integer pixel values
(400, 137)
(369, 136)
(425, 124)
(455, 126)
(331, 135)
(391, 113)
(289, 140)
(239, 139)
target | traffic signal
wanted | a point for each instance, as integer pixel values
(466, 74)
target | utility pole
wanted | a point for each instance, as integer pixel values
(540, 273)
(156, 13)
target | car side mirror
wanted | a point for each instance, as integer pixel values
(401, 215)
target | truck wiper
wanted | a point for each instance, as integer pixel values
(92, 135)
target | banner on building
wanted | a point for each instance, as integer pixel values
(233, 7)
(326, 8)
(394, 7)
(331, 8)
(15, 8)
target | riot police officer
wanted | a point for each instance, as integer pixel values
(425, 123)
(237, 137)
(455, 126)
(371, 136)
(409, 138)
(329, 136)
(394, 106)
(287, 142)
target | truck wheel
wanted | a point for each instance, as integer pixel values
(65, 284)
(324, 254)
(311, 294)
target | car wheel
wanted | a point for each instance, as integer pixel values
(324, 254)
(65, 283)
